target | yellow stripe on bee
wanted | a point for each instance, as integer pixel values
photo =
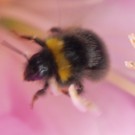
(56, 45)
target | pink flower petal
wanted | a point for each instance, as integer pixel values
(51, 115)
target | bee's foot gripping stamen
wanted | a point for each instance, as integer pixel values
(81, 103)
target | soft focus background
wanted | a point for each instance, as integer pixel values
(113, 21)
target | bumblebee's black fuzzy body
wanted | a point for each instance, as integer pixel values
(69, 56)
(86, 52)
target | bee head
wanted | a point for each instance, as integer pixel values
(39, 66)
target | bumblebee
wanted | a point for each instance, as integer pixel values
(67, 56)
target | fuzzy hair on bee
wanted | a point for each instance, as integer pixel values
(67, 56)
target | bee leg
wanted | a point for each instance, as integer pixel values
(36, 40)
(39, 93)
(55, 30)
(79, 88)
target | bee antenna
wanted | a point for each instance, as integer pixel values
(8, 45)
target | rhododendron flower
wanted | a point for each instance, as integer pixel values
(56, 115)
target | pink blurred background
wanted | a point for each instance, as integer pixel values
(113, 21)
